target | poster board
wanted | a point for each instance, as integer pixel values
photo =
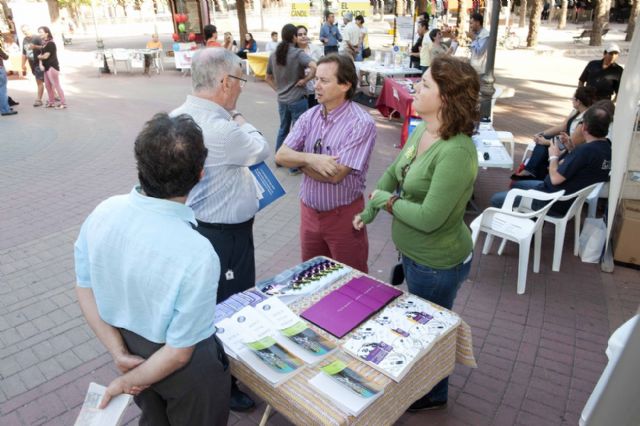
(356, 7)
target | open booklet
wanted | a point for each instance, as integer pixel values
(397, 336)
(349, 390)
(91, 415)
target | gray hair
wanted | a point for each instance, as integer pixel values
(210, 65)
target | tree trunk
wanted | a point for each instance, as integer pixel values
(422, 6)
(242, 20)
(54, 10)
(462, 25)
(635, 12)
(399, 7)
(523, 13)
(534, 23)
(599, 20)
(563, 15)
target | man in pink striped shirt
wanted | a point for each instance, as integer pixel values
(331, 143)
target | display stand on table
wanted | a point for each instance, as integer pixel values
(297, 400)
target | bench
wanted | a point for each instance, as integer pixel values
(587, 34)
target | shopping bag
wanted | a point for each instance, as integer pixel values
(592, 239)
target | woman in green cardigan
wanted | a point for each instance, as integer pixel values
(427, 187)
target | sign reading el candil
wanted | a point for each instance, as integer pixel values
(357, 8)
(300, 9)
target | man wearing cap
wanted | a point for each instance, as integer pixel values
(350, 45)
(604, 74)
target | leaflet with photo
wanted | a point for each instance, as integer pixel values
(349, 390)
(309, 345)
(91, 415)
(395, 338)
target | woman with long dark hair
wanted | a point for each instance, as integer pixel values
(426, 190)
(249, 46)
(49, 58)
(286, 75)
(315, 54)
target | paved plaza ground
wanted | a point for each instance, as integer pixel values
(539, 354)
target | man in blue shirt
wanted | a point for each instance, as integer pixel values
(479, 45)
(330, 35)
(147, 284)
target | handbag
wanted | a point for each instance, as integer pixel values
(592, 239)
(397, 274)
(366, 52)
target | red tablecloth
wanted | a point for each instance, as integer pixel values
(395, 97)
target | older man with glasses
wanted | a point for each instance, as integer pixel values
(331, 143)
(225, 201)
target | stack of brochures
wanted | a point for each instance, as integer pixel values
(400, 334)
(272, 340)
(91, 415)
(236, 302)
(303, 279)
(349, 390)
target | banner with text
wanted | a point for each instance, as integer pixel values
(356, 7)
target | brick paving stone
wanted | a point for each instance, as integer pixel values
(505, 416)
(12, 386)
(51, 368)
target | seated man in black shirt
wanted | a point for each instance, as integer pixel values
(604, 74)
(588, 163)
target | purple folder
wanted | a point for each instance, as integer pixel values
(347, 307)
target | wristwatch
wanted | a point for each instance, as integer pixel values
(389, 205)
(234, 114)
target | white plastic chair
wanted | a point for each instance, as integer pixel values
(574, 212)
(507, 137)
(596, 194)
(516, 226)
(121, 55)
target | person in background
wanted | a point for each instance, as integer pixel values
(538, 164)
(479, 45)
(287, 76)
(156, 320)
(437, 48)
(229, 43)
(351, 33)
(153, 44)
(31, 45)
(211, 36)
(364, 39)
(427, 188)
(425, 49)
(332, 144)
(5, 109)
(603, 74)
(330, 34)
(225, 201)
(49, 58)
(272, 45)
(314, 53)
(249, 46)
(415, 49)
(588, 161)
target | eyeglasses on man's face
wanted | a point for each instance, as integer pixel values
(242, 81)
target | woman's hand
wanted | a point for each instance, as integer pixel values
(358, 224)
(541, 140)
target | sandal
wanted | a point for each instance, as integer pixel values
(50, 105)
(37, 103)
(61, 106)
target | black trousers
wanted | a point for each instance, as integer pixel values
(234, 245)
(197, 394)
(330, 49)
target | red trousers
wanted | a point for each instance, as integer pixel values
(331, 234)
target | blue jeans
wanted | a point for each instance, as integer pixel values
(497, 200)
(439, 286)
(4, 100)
(289, 113)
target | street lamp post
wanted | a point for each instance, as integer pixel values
(487, 79)
(99, 42)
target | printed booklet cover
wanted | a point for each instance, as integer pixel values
(268, 187)
(345, 308)
(91, 415)
(349, 390)
(395, 338)
(303, 279)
